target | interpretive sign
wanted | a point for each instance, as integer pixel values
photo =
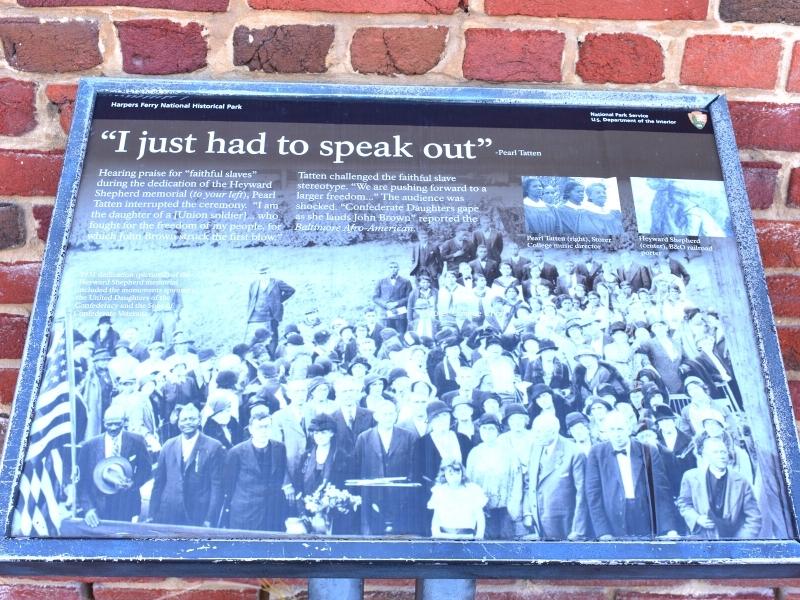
(393, 330)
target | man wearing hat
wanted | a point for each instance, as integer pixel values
(265, 304)
(665, 354)
(256, 480)
(677, 448)
(597, 409)
(113, 466)
(716, 501)
(97, 389)
(180, 389)
(627, 491)
(182, 350)
(516, 443)
(578, 429)
(187, 488)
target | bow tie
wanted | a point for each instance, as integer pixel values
(623, 451)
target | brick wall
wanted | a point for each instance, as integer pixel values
(748, 49)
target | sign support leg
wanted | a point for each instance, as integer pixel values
(445, 589)
(341, 589)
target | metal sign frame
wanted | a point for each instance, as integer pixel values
(385, 557)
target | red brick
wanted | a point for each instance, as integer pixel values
(192, 5)
(784, 292)
(29, 172)
(786, 12)
(198, 590)
(283, 48)
(779, 242)
(766, 125)
(789, 337)
(794, 393)
(793, 84)
(161, 47)
(63, 96)
(17, 110)
(620, 58)
(793, 197)
(43, 213)
(18, 282)
(12, 225)
(731, 61)
(397, 50)
(761, 180)
(12, 331)
(50, 47)
(611, 9)
(8, 383)
(40, 591)
(427, 7)
(503, 55)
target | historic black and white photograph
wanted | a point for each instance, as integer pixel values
(681, 207)
(571, 206)
(261, 346)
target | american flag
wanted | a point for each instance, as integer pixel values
(38, 512)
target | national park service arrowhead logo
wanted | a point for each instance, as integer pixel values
(698, 119)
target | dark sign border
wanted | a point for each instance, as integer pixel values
(397, 558)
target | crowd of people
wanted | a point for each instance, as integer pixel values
(483, 392)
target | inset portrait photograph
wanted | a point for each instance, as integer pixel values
(681, 207)
(571, 206)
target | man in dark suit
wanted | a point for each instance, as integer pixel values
(391, 294)
(120, 500)
(590, 269)
(554, 505)
(716, 371)
(541, 270)
(187, 489)
(385, 451)
(351, 420)
(634, 273)
(484, 265)
(519, 264)
(256, 481)
(627, 491)
(265, 305)
(715, 501)
(458, 249)
(487, 235)
(570, 279)
(676, 448)
(425, 258)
